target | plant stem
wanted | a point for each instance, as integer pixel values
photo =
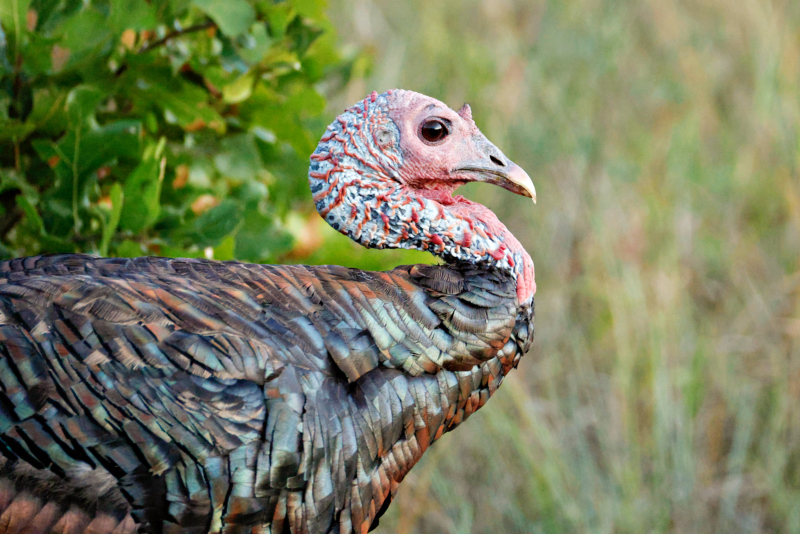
(176, 33)
(75, 155)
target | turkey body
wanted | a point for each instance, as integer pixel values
(197, 396)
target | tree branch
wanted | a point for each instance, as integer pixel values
(176, 33)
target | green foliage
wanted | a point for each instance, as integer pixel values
(163, 127)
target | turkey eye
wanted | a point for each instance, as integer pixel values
(433, 131)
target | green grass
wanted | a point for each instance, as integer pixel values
(662, 393)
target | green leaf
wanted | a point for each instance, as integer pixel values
(55, 244)
(133, 14)
(37, 54)
(184, 104)
(226, 250)
(83, 151)
(239, 157)
(45, 9)
(31, 214)
(256, 45)
(74, 161)
(84, 36)
(259, 239)
(130, 249)
(10, 180)
(82, 102)
(239, 90)
(13, 15)
(279, 17)
(142, 192)
(302, 35)
(117, 197)
(284, 115)
(48, 115)
(251, 193)
(6, 253)
(14, 129)
(233, 17)
(217, 222)
(310, 8)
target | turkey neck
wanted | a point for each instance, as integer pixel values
(355, 177)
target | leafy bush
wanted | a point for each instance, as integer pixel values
(164, 127)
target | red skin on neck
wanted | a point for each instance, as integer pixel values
(472, 211)
(462, 208)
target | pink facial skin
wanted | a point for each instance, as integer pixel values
(426, 165)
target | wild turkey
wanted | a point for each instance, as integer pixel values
(184, 395)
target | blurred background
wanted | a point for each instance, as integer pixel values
(662, 391)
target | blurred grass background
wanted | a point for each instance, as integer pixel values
(661, 394)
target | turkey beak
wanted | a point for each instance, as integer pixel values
(503, 172)
(517, 181)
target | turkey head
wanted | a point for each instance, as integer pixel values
(385, 172)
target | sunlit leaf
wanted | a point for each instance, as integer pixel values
(225, 250)
(239, 90)
(233, 16)
(309, 8)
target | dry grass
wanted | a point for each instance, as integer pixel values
(662, 391)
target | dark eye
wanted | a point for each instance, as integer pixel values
(433, 131)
